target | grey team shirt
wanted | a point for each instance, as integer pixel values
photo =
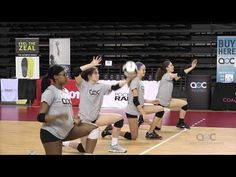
(136, 83)
(91, 99)
(59, 102)
(165, 90)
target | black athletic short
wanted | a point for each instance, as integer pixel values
(94, 121)
(130, 116)
(47, 137)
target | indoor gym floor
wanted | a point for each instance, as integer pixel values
(211, 133)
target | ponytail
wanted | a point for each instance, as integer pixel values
(139, 65)
(162, 70)
(46, 81)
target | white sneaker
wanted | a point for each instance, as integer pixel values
(117, 148)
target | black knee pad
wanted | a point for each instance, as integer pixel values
(119, 124)
(160, 114)
(80, 148)
(128, 135)
(185, 107)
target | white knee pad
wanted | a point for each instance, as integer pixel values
(66, 143)
(94, 134)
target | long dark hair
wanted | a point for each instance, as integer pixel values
(46, 81)
(139, 65)
(88, 72)
(162, 70)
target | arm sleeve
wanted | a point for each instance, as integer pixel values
(106, 89)
(82, 83)
(167, 77)
(48, 97)
(115, 87)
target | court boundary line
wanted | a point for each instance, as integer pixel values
(168, 139)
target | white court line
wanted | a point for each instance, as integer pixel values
(193, 125)
(168, 139)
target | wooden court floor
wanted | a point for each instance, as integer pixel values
(22, 137)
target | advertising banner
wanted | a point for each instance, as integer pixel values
(226, 54)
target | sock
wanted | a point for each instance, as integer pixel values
(181, 120)
(114, 141)
(66, 143)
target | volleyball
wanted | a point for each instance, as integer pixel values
(129, 68)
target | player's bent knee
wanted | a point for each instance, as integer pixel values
(94, 134)
(134, 137)
(160, 114)
(119, 124)
(185, 107)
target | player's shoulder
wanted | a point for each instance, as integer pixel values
(135, 80)
(66, 90)
(166, 76)
(51, 90)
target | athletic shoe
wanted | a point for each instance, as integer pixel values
(153, 135)
(117, 149)
(106, 132)
(182, 125)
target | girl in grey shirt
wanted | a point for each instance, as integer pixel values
(136, 107)
(91, 98)
(166, 76)
(56, 114)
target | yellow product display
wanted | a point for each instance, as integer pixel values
(30, 71)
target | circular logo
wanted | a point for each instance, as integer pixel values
(198, 85)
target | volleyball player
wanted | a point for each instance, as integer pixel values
(136, 107)
(57, 116)
(91, 99)
(165, 74)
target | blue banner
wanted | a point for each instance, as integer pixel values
(226, 54)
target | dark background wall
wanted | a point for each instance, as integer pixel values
(150, 42)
